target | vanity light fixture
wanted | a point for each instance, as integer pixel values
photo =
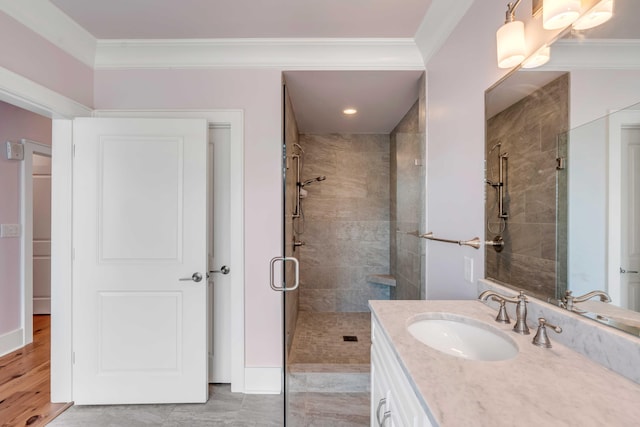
(558, 14)
(540, 57)
(510, 39)
(349, 111)
(597, 15)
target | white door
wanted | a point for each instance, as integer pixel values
(630, 236)
(140, 258)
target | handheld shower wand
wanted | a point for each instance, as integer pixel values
(312, 180)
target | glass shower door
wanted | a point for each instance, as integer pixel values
(286, 264)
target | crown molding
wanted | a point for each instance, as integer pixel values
(46, 20)
(594, 54)
(304, 53)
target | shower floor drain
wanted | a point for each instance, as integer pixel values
(349, 338)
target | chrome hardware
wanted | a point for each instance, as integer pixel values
(497, 243)
(502, 316)
(541, 338)
(296, 270)
(569, 300)
(500, 185)
(521, 309)
(224, 270)
(195, 277)
(474, 243)
(385, 417)
(382, 402)
(297, 243)
(623, 271)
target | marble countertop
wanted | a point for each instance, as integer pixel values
(539, 387)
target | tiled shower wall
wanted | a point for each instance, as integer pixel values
(407, 196)
(346, 221)
(528, 132)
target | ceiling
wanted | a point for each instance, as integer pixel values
(318, 97)
(382, 98)
(177, 19)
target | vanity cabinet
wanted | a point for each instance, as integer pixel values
(393, 401)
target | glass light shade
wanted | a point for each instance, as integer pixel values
(539, 58)
(510, 42)
(598, 14)
(558, 14)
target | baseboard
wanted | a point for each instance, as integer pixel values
(11, 341)
(42, 305)
(262, 380)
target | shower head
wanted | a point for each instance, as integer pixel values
(495, 146)
(312, 180)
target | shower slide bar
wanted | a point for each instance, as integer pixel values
(474, 243)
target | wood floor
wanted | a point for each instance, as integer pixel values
(25, 398)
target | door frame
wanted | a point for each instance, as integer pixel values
(31, 96)
(233, 119)
(26, 241)
(22, 92)
(618, 120)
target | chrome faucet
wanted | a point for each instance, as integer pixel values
(569, 300)
(521, 309)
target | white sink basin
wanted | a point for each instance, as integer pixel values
(463, 337)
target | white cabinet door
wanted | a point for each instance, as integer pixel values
(139, 224)
(393, 400)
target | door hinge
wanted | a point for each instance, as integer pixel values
(74, 150)
(73, 358)
(561, 163)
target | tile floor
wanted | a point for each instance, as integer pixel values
(223, 409)
(317, 350)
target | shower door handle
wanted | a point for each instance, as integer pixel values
(296, 266)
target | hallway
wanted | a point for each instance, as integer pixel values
(25, 398)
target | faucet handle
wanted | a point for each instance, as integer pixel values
(502, 316)
(541, 338)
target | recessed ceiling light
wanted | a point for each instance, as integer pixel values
(349, 111)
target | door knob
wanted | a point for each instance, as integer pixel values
(224, 270)
(195, 277)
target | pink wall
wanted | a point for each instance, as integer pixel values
(15, 124)
(30, 55)
(458, 75)
(258, 93)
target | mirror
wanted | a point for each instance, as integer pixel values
(554, 169)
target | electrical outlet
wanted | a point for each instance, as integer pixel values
(9, 230)
(468, 269)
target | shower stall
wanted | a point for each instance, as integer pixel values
(351, 200)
